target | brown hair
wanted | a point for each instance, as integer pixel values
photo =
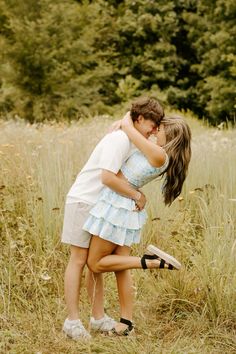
(149, 108)
(178, 149)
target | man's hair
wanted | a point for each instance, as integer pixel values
(149, 108)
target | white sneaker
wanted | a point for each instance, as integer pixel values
(75, 330)
(104, 324)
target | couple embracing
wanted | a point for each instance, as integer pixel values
(104, 211)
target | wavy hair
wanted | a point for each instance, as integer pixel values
(178, 149)
(148, 107)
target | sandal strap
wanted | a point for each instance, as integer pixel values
(125, 332)
(162, 263)
(128, 323)
(147, 256)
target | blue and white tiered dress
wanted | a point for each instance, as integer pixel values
(113, 218)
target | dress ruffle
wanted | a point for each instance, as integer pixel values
(117, 200)
(113, 218)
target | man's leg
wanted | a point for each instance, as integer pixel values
(72, 326)
(73, 277)
(95, 290)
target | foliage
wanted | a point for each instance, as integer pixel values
(66, 59)
(52, 64)
(212, 32)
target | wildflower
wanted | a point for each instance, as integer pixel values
(45, 276)
(13, 245)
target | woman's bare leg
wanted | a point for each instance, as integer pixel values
(125, 289)
(124, 286)
(105, 249)
(101, 260)
(105, 256)
(95, 282)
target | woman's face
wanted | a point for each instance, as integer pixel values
(160, 135)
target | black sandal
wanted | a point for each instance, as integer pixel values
(126, 332)
(162, 261)
(155, 253)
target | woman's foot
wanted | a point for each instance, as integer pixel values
(155, 263)
(124, 328)
(156, 258)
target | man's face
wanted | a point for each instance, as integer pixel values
(145, 126)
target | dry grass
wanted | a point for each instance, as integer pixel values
(190, 311)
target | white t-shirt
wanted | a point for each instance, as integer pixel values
(109, 154)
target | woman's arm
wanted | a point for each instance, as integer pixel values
(154, 153)
(122, 187)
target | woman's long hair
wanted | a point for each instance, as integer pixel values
(178, 149)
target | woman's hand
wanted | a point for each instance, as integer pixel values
(122, 123)
(115, 126)
(140, 202)
(126, 121)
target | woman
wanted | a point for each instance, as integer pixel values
(114, 222)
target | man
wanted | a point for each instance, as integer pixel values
(101, 169)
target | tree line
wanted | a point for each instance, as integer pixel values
(66, 58)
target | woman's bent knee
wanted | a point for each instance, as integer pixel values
(93, 266)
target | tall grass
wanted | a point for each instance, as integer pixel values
(190, 311)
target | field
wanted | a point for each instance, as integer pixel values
(190, 311)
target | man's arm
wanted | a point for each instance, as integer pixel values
(122, 187)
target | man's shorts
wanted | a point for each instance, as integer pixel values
(74, 218)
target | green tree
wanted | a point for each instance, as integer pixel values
(60, 60)
(212, 31)
(51, 60)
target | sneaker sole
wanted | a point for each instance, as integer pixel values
(165, 256)
(79, 338)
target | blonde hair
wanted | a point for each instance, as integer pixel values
(178, 149)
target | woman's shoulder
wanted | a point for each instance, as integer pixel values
(139, 157)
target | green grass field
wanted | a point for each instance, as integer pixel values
(190, 311)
